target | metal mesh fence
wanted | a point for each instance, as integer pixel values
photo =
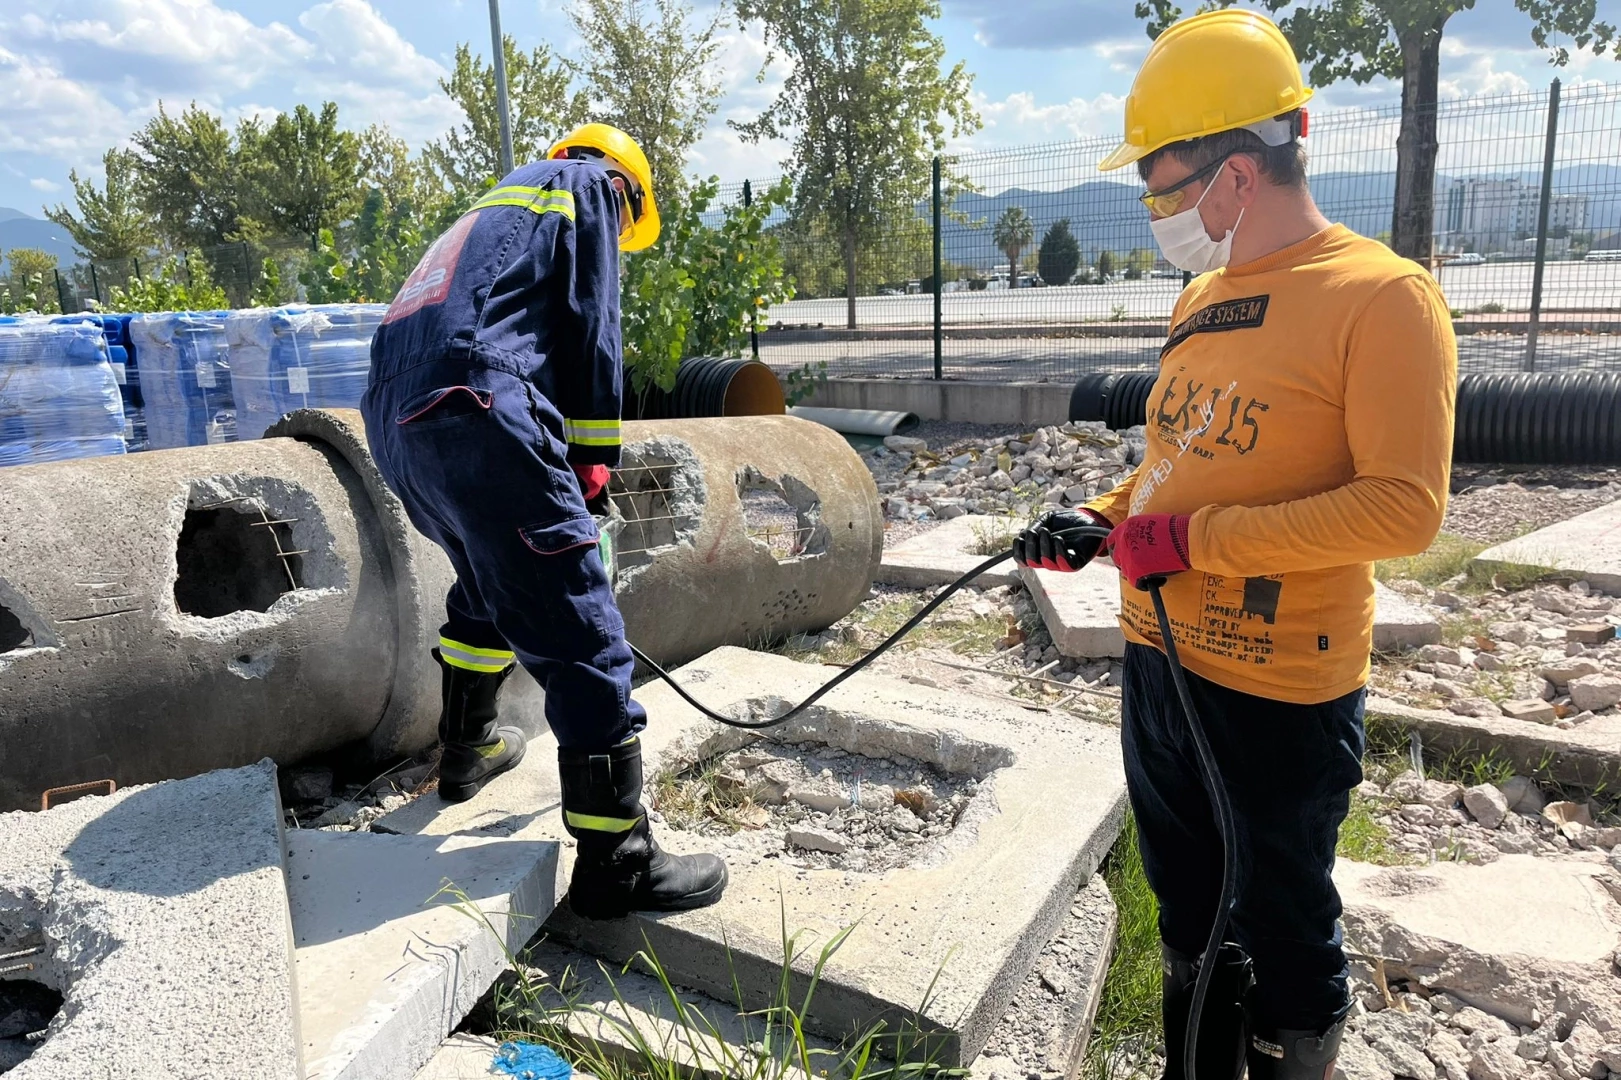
(248, 272)
(1050, 269)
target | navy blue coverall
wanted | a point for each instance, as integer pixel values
(496, 368)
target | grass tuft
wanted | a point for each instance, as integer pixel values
(1448, 557)
(1127, 1028)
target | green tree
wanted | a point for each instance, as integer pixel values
(1401, 39)
(180, 285)
(865, 106)
(111, 223)
(650, 71)
(701, 288)
(1107, 265)
(1060, 255)
(540, 102)
(187, 176)
(31, 281)
(385, 165)
(1013, 233)
(1139, 263)
(306, 171)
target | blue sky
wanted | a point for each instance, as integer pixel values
(77, 76)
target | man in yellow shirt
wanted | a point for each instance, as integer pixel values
(1300, 428)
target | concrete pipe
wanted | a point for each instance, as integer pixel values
(740, 531)
(168, 613)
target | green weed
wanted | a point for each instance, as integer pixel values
(1127, 1027)
(1448, 557)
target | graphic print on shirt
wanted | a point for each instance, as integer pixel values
(1247, 313)
(429, 283)
(1235, 619)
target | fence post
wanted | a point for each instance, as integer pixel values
(95, 284)
(1542, 227)
(137, 263)
(61, 299)
(754, 308)
(939, 272)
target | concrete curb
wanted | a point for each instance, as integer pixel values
(1585, 756)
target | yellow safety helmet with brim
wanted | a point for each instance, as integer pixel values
(1217, 71)
(618, 153)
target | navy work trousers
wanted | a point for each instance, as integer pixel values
(1288, 770)
(472, 452)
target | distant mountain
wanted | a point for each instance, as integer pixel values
(1105, 214)
(19, 230)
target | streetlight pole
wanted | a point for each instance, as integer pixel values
(500, 54)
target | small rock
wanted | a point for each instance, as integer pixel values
(1489, 662)
(1595, 692)
(308, 783)
(1494, 1062)
(818, 840)
(1054, 982)
(1562, 672)
(1533, 1047)
(1585, 1051)
(1449, 1055)
(903, 820)
(343, 814)
(1473, 1021)
(1590, 633)
(1359, 1061)
(1448, 689)
(1443, 599)
(1517, 632)
(904, 443)
(1405, 1058)
(1417, 814)
(1486, 804)
(1534, 710)
(1441, 654)
(1523, 795)
(1477, 707)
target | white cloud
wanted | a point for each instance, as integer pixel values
(40, 183)
(1019, 118)
(44, 112)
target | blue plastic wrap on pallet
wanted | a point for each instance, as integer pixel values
(185, 378)
(58, 397)
(298, 357)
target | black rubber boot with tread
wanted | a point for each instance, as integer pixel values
(620, 868)
(1284, 1054)
(1222, 1026)
(474, 750)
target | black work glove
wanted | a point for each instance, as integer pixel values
(1040, 547)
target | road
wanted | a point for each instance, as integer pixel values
(1064, 359)
(1566, 286)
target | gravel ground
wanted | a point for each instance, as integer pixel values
(1490, 505)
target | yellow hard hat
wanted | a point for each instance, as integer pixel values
(623, 156)
(1213, 72)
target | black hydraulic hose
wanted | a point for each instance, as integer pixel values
(1207, 760)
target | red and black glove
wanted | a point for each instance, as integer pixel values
(1150, 546)
(1045, 546)
(594, 486)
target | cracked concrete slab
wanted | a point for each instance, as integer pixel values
(947, 552)
(1586, 756)
(1050, 805)
(389, 959)
(162, 915)
(1553, 909)
(1588, 545)
(1082, 611)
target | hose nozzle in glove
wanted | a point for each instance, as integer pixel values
(1149, 548)
(1053, 542)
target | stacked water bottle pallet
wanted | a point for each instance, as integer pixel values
(298, 358)
(59, 397)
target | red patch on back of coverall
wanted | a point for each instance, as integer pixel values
(429, 283)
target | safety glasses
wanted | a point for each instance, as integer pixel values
(1163, 204)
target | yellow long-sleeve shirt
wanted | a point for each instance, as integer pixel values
(1303, 417)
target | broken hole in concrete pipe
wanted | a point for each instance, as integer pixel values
(230, 560)
(785, 518)
(13, 634)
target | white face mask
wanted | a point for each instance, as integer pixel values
(1186, 244)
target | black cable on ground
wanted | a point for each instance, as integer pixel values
(1213, 782)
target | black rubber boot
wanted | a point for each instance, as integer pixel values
(474, 748)
(1221, 1022)
(1283, 1054)
(620, 867)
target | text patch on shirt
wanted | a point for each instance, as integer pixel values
(1246, 313)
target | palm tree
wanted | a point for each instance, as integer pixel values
(1014, 232)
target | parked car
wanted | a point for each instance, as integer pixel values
(1468, 258)
(1608, 255)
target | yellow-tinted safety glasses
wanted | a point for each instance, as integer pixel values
(1163, 204)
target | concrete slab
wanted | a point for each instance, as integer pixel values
(1554, 909)
(1045, 1030)
(388, 963)
(1588, 545)
(1050, 801)
(162, 913)
(947, 552)
(1586, 756)
(1082, 612)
